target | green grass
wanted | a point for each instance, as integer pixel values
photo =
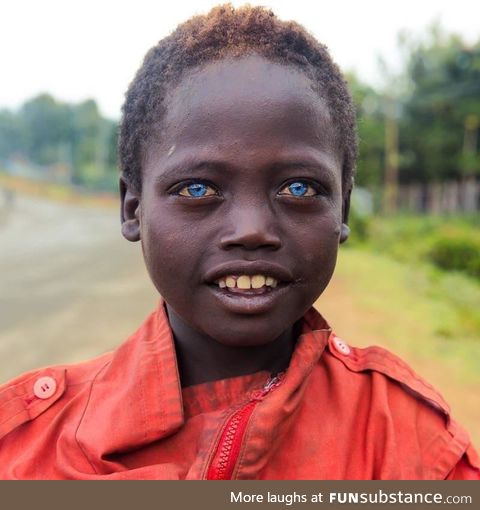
(432, 314)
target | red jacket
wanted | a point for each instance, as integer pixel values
(337, 413)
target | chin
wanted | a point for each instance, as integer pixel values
(252, 337)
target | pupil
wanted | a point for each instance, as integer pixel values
(298, 189)
(197, 190)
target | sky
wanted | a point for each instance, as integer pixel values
(91, 49)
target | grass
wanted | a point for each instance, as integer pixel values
(416, 300)
(393, 261)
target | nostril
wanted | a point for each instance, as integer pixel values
(251, 241)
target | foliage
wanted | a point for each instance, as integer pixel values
(456, 249)
(452, 245)
(437, 113)
(11, 133)
(361, 208)
(359, 225)
(370, 122)
(441, 112)
(47, 132)
(47, 126)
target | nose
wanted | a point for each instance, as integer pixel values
(252, 228)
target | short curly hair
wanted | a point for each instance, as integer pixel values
(229, 32)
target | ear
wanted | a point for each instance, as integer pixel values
(130, 212)
(345, 229)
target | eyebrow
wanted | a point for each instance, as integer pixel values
(304, 165)
(187, 166)
(184, 167)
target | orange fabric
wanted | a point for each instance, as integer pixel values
(361, 414)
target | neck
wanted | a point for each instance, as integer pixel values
(202, 359)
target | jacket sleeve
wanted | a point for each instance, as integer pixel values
(468, 468)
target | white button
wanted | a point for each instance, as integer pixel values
(341, 346)
(45, 387)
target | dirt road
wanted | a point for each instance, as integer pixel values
(71, 286)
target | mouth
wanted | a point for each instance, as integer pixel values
(247, 285)
(249, 288)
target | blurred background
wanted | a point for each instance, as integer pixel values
(409, 278)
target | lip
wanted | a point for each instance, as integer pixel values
(280, 273)
(249, 304)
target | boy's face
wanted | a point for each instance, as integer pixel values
(243, 188)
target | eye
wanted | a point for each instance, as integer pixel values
(197, 190)
(299, 189)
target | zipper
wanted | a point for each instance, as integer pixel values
(228, 447)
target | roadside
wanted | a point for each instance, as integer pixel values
(72, 287)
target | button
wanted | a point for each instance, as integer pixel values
(341, 346)
(45, 387)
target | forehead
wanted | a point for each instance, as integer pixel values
(246, 105)
(244, 79)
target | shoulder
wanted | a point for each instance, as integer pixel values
(45, 391)
(377, 360)
(38, 397)
(416, 412)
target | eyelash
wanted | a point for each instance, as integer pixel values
(309, 184)
(212, 191)
(177, 190)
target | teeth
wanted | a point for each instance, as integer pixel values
(230, 282)
(258, 281)
(271, 282)
(245, 282)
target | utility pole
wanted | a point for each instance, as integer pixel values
(391, 156)
(470, 190)
(470, 143)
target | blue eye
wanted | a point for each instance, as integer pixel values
(197, 190)
(298, 189)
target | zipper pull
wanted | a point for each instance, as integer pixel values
(270, 385)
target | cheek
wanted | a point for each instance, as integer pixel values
(317, 239)
(161, 251)
(316, 253)
(167, 249)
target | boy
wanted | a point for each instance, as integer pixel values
(237, 150)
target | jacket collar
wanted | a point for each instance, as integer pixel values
(136, 399)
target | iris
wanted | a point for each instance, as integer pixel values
(197, 190)
(298, 189)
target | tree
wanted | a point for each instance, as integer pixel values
(370, 123)
(48, 132)
(12, 139)
(47, 126)
(439, 128)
